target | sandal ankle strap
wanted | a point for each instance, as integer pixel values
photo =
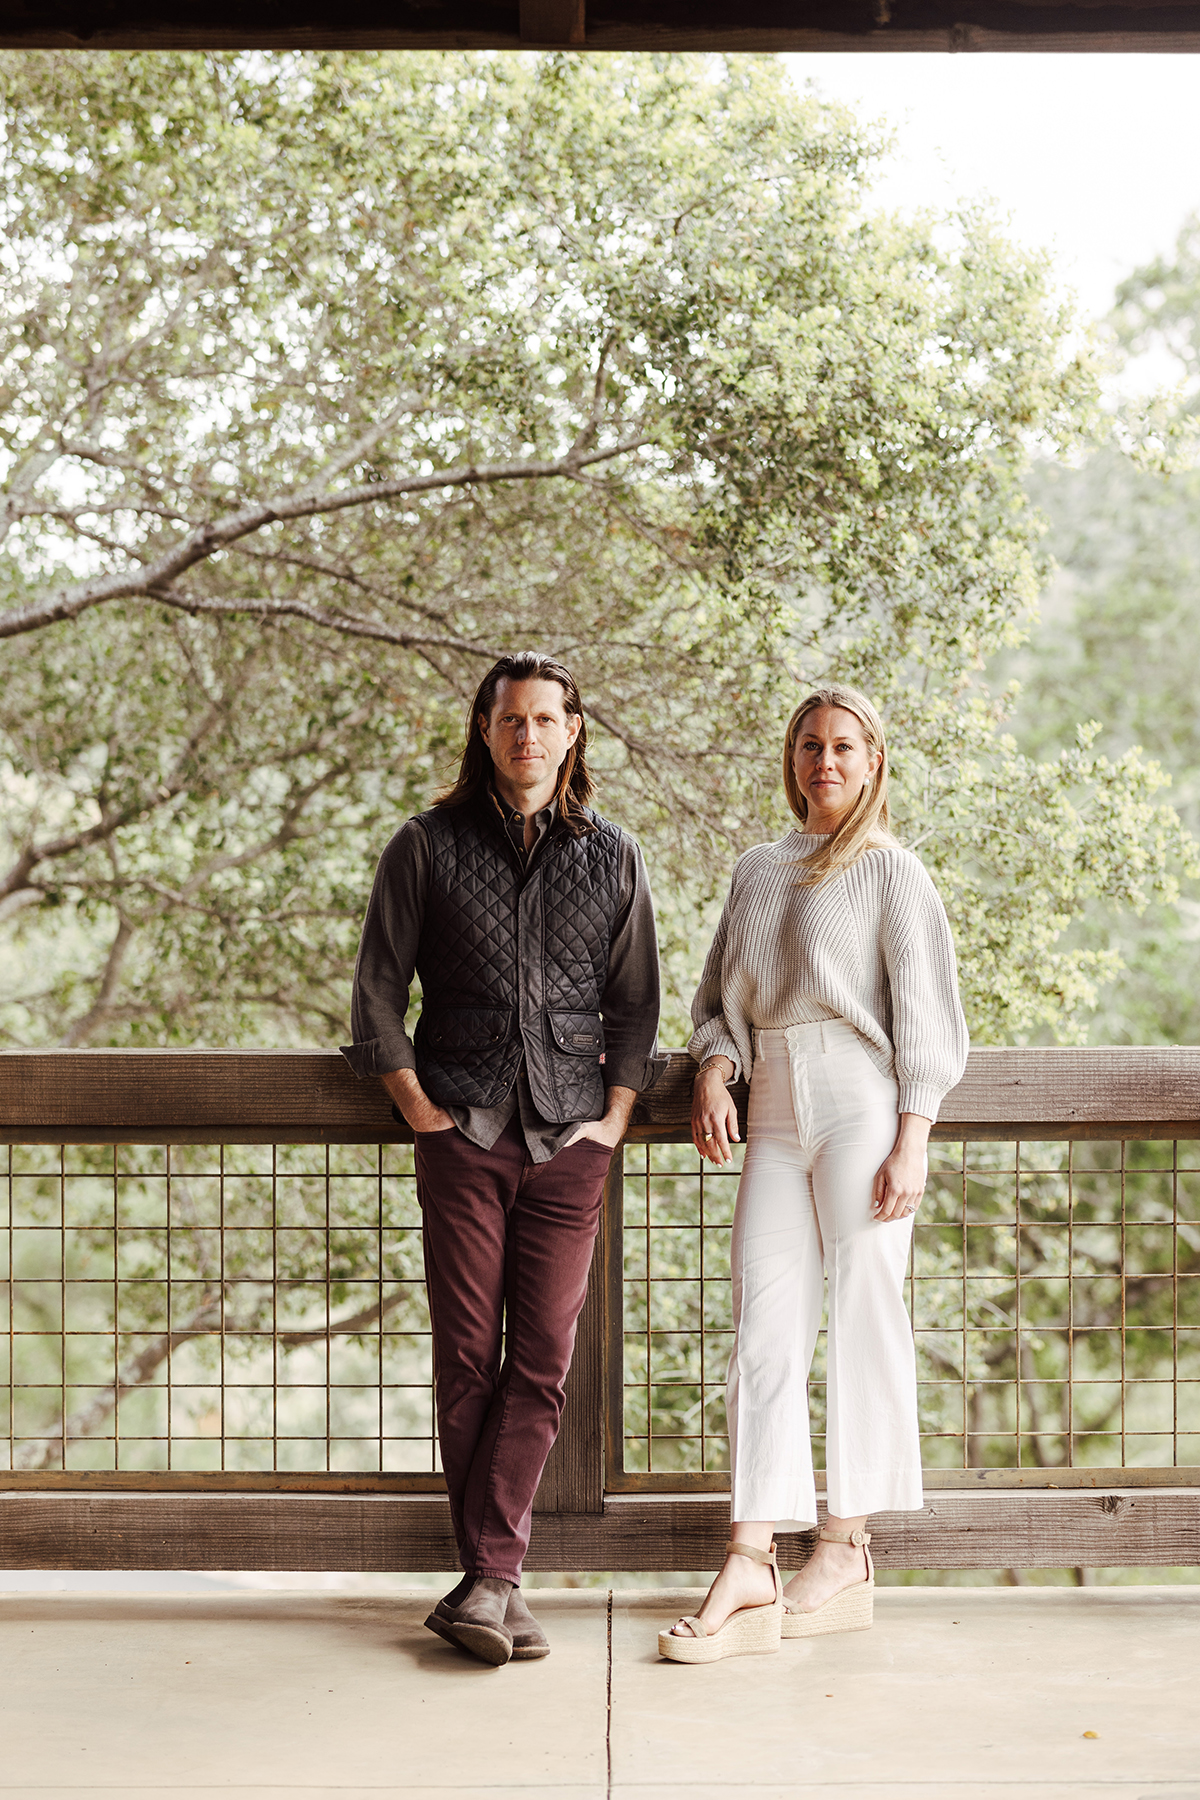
(758, 1556)
(860, 1538)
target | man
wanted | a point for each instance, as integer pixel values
(528, 919)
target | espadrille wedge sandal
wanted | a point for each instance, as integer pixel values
(750, 1631)
(853, 1609)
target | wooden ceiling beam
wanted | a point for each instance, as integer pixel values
(870, 26)
(553, 24)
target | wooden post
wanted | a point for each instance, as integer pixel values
(555, 24)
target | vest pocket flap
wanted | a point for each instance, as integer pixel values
(579, 1034)
(469, 1027)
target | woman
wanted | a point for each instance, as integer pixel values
(832, 979)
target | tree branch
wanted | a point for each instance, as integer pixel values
(588, 430)
(42, 1452)
(286, 833)
(205, 541)
(25, 478)
(82, 1029)
(346, 624)
(108, 824)
(315, 565)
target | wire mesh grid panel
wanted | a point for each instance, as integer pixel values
(1054, 1290)
(239, 1308)
(678, 1326)
(1055, 1295)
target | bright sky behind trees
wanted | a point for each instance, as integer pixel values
(1094, 157)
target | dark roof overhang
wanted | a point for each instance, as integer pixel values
(869, 25)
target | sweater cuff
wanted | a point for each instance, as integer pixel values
(718, 1043)
(919, 1097)
(381, 1055)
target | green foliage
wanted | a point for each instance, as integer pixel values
(328, 378)
(1157, 306)
(1115, 647)
(1117, 641)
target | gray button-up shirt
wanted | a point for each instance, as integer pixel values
(387, 962)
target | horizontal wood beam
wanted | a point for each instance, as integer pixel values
(645, 1489)
(192, 1096)
(949, 40)
(1129, 1528)
(552, 23)
(867, 26)
(1121, 1528)
(311, 1096)
(1023, 1093)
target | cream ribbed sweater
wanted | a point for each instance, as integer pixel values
(871, 946)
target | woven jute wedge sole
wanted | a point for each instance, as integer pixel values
(851, 1610)
(754, 1631)
(751, 1631)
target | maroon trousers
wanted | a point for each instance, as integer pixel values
(508, 1245)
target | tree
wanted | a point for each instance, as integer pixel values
(1159, 305)
(327, 378)
(1113, 652)
(1117, 636)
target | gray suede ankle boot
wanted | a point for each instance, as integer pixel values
(477, 1623)
(529, 1641)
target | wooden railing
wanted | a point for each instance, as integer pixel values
(604, 1503)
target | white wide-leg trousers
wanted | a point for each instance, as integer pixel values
(822, 1120)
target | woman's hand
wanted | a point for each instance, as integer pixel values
(900, 1182)
(714, 1116)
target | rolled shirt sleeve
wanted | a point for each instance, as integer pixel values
(632, 996)
(387, 957)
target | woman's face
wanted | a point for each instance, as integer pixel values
(832, 761)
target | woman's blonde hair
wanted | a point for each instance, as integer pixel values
(866, 824)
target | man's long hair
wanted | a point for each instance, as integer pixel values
(575, 785)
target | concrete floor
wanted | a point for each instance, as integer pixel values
(957, 1693)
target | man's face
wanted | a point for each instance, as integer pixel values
(529, 732)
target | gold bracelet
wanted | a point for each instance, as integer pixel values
(710, 1062)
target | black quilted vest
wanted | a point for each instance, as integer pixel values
(513, 963)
